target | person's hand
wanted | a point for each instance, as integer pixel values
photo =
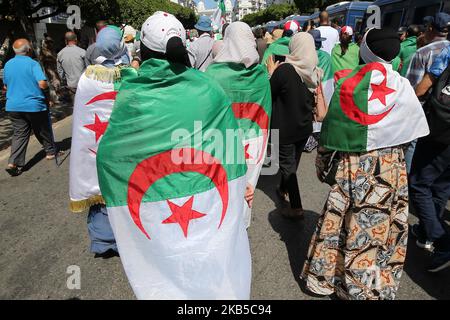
(249, 194)
(271, 64)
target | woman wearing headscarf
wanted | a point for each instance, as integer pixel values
(93, 106)
(359, 246)
(293, 84)
(246, 82)
(176, 200)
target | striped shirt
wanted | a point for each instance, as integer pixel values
(423, 59)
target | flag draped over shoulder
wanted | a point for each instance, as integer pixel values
(174, 193)
(327, 78)
(93, 105)
(372, 108)
(249, 91)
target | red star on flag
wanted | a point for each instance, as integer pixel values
(98, 127)
(247, 155)
(380, 91)
(183, 215)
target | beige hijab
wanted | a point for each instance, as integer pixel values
(303, 57)
(239, 45)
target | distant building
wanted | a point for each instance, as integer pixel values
(270, 2)
(244, 7)
(185, 3)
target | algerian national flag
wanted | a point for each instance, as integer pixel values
(93, 105)
(249, 91)
(218, 18)
(372, 108)
(327, 79)
(175, 197)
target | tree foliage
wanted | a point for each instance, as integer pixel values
(274, 12)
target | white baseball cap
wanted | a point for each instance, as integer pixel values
(159, 28)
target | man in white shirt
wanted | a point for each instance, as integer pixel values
(328, 32)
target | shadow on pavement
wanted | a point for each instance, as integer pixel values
(61, 145)
(437, 284)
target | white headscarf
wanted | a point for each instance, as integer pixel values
(239, 45)
(303, 57)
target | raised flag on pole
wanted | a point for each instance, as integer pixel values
(174, 193)
(249, 91)
(97, 89)
(218, 18)
(366, 107)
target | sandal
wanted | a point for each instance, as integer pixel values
(52, 156)
(14, 171)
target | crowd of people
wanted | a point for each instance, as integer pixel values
(375, 106)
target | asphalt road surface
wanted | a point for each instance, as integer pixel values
(40, 239)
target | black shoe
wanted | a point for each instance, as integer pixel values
(441, 260)
(421, 241)
(110, 253)
(14, 171)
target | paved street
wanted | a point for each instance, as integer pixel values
(41, 238)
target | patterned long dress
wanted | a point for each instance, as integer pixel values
(359, 246)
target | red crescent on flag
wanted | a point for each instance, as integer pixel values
(347, 102)
(255, 113)
(148, 171)
(110, 95)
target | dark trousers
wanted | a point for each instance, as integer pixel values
(430, 189)
(290, 155)
(23, 123)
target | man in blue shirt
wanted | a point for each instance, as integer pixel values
(26, 101)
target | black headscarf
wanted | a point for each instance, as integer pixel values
(380, 45)
(175, 52)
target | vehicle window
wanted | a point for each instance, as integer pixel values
(392, 19)
(358, 24)
(421, 12)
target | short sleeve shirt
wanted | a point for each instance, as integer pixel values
(440, 63)
(21, 77)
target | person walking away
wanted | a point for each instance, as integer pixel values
(94, 101)
(27, 101)
(358, 248)
(191, 217)
(436, 35)
(408, 48)
(328, 32)
(293, 84)
(91, 52)
(430, 171)
(70, 62)
(345, 55)
(246, 82)
(261, 43)
(200, 51)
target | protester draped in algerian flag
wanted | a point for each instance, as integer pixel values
(359, 246)
(247, 84)
(173, 177)
(280, 47)
(94, 100)
(345, 55)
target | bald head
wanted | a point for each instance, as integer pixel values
(21, 47)
(324, 18)
(71, 37)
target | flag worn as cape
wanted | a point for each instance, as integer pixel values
(249, 91)
(93, 105)
(327, 78)
(372, 108)
(174, 194)
(278, 48)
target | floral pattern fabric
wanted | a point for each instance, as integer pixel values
(359, 246)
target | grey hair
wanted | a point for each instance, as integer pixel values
(23, 49)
